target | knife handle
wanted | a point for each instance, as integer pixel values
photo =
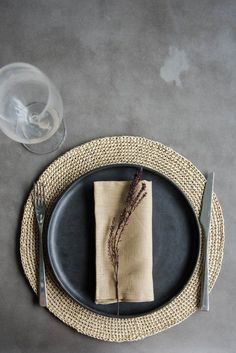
(204, 305)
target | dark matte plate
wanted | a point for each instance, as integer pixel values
(71, 240)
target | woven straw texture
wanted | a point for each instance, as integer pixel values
(114, 150)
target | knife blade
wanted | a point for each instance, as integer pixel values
(205, 220)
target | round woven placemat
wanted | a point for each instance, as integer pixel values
(114, 150)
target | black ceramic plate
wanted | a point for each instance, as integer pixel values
(71, 240)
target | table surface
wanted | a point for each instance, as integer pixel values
(161, 69)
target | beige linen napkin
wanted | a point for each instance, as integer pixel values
(135, 269)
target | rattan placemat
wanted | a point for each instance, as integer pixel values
(114, 150)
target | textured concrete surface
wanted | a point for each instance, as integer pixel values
(158, 68)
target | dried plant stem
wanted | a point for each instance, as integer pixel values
(117, 290)
(134, 197)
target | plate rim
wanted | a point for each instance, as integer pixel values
(63, 195)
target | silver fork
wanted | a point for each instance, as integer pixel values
(39, 205)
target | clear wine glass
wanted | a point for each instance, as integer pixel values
(31, 108)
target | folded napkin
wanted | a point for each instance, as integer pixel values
(135, 267)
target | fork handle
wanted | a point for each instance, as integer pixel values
(42, 276)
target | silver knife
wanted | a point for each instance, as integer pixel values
(205, 220)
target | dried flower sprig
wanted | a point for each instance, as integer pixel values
(134, 197)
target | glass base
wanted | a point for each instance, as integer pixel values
(50, 145)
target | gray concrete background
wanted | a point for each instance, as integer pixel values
(161, 69)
